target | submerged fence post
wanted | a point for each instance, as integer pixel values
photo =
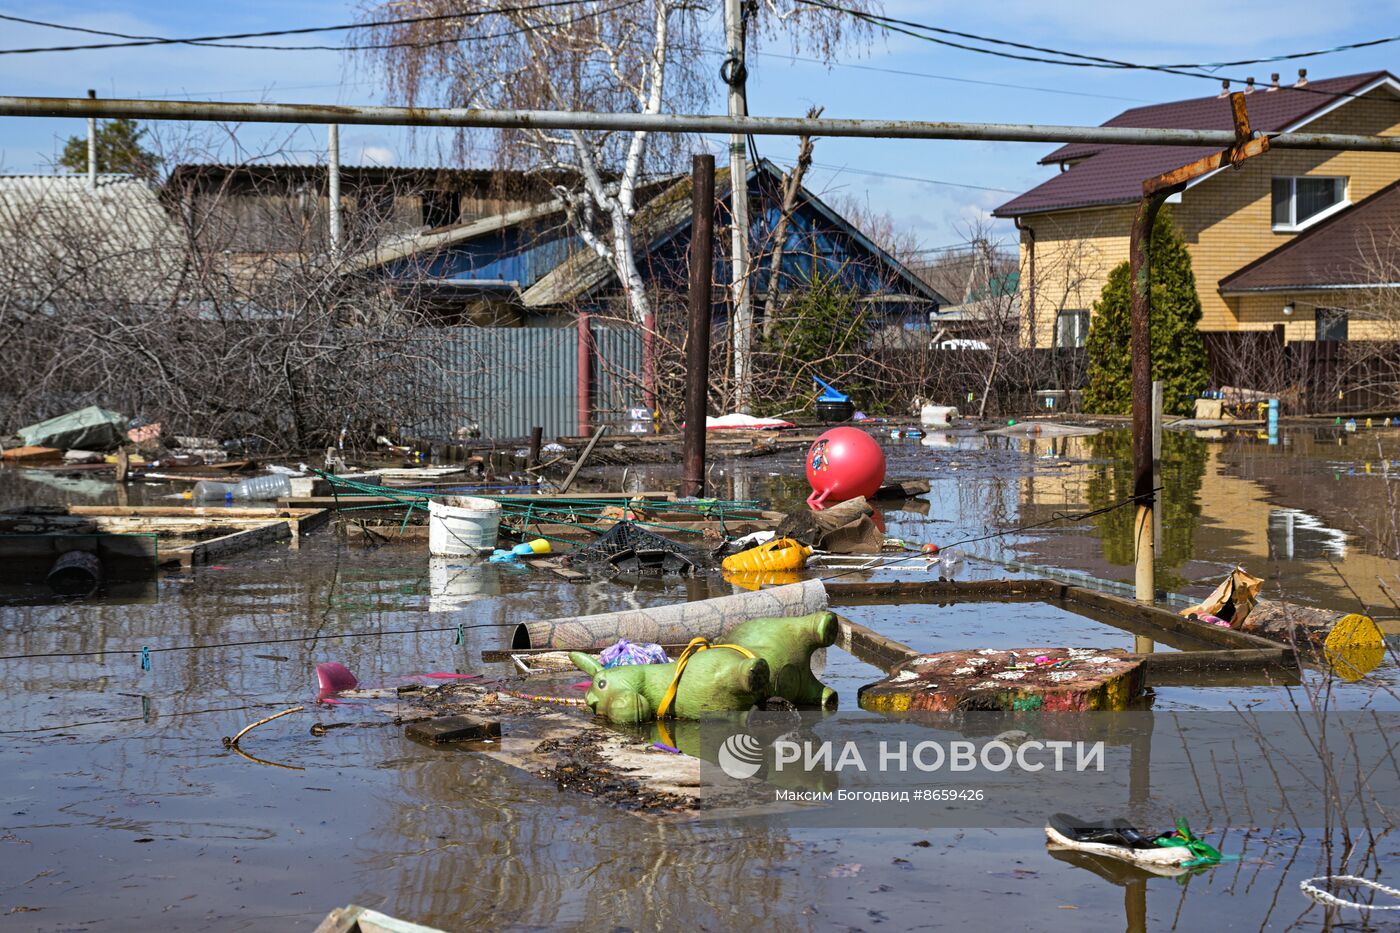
(697, 358)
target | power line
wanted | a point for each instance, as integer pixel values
(926, 181)
(891, 24)
(937, 77)
(719, 145)
(222, 41)
(1107, 62)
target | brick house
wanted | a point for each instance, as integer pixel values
(1286, 243)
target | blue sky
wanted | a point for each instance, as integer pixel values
(950, 84)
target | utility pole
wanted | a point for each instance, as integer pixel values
(697, 369)
(1155, 192)
(735, 74)
(92, 146)
(333, 164)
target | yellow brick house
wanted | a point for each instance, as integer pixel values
(1291, 238)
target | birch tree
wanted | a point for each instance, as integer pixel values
(618, 56)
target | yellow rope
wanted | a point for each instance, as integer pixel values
(696, 645)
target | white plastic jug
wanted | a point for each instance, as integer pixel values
(938, 415)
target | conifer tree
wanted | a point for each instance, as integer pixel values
(119, 149)
(1178, 349)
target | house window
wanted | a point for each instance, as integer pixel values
(1331, 324)
(1305, 199)
(1071, 328)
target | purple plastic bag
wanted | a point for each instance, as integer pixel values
(625, 652)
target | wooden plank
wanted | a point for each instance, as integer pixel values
(582, 458)
(493, 656)
(306, 522)
(573, 576)
(870, 646)
(1233, 659)
(444, 729)
(26, 558)
(1153, 622)
(31, 453)
(265, 513)
(341, 920)
(206, 551)
(372, 921)
(1165, 619)
(941, 591)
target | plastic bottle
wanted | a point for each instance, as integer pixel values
(255, 487)
(264, 487)
(210, 491)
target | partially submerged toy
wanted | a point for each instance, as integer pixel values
(757, 660)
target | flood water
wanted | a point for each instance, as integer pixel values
(122, 809)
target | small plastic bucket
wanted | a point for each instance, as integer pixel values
(462, 525)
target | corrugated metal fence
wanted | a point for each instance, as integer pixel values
(510, 379)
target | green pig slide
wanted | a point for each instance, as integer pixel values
(758, 659)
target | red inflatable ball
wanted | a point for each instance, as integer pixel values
(844, 463)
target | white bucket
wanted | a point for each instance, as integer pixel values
(937, 415)
(462, 525)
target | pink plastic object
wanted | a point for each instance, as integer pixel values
(844, 463)
(332, 677)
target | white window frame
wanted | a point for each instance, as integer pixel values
(1294, 226)
(1080, 314)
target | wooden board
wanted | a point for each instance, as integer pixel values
(1049, 679)
(157, 518)
(206, 551)
(1150, 621)
(123, 557)
(31, 453)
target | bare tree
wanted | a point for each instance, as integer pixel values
(792, 185)
(223, 315)
(621, 56)
(880, 227)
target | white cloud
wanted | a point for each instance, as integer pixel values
(375, 155)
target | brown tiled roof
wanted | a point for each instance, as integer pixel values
(1113, 174)
(1333, 253)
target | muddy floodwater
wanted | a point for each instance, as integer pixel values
(122, 810)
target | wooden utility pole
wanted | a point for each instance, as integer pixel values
(697, 355)
(735, 75)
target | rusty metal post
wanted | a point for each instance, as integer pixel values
(1139, 259)
(536, 438)
(585, 372)
(697, 368)
(1155, 192)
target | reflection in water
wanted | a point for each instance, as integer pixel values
(1182, 467)
(1296, 535)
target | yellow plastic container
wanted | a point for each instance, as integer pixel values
(778, 554)
(754, 579)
